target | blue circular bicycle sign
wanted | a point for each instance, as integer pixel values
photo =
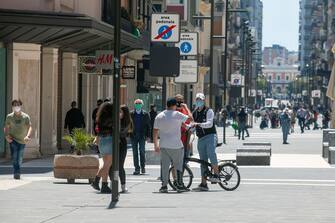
(165, 32)
(185, 47)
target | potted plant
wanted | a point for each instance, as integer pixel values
(78, 165)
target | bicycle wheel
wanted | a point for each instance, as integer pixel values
(230, 176)
(187, 177)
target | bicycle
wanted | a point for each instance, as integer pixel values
(225, 175)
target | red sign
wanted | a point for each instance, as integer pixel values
(104, 59)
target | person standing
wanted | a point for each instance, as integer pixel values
(167, 125)
(104, 129)
(242, 122)
(17, 133)
(153, 114)
(203, 118)
(126, 129)
(141, 133)
(285, 122)
(74, 118)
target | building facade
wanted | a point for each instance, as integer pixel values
(41, 44)
(280, 76)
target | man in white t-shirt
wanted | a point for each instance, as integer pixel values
(167, 125)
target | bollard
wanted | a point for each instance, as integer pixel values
(331, 155)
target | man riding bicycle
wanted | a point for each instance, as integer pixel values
(203, 117)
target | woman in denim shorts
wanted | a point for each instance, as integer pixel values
(104, 139)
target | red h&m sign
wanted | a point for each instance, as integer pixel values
(104, 59)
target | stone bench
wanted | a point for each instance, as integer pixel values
(331, 155)
(258, 144)
(253, 156)
(328, 140)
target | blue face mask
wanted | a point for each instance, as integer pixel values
(199, 103)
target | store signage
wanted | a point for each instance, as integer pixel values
(104, 59)
(128, 72)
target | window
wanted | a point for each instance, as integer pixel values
(270, 78)
(287, 78)
(278, 78)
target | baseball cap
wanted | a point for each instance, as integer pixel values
(200, 96)
(171, 102)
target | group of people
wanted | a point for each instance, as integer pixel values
(171, 132)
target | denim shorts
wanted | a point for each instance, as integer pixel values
(106, 145)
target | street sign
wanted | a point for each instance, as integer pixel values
(252, 93)
(128, 72)
(259, 92)
(87, 65)
(316, 93)
(165, 27)
(188, 72)
(188, 44)
(104, 59)
(236, 79)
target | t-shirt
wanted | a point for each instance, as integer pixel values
(168, 123)
(183, 129)
(18, 126)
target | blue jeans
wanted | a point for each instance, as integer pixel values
(16, 152)
(138, 144)
(206, 149)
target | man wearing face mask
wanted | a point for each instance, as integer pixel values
(17, 132)
(203, 117)
(141, 133)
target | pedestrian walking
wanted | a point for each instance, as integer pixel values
(315, 120)
(153, 114)
(167, 125)
(293, 120)
(104, 139)
(74, 118)
(285, 122)
(141, 133)
(17, 132)
(203, 117)
(301, 114)
(242, 122)
(125, 131)
(326, 119)
(94, 115)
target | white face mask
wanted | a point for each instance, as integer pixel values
(17, 109)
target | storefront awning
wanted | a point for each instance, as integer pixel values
(67, 31)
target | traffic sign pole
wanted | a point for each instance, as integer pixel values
(114, 174)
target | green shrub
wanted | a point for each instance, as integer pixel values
(80, 140)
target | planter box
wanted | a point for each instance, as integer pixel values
(73, 167)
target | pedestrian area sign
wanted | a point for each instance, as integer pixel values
(188, 44)
(188, 72)
(165, 27)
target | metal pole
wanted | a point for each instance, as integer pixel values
(211, 74)
(164, 93)
(224, 70)
(116, 103)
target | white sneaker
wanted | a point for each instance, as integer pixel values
(124, 189)
(214, 179)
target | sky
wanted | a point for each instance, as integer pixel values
(281, 23)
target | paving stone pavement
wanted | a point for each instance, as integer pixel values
(285, 192)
